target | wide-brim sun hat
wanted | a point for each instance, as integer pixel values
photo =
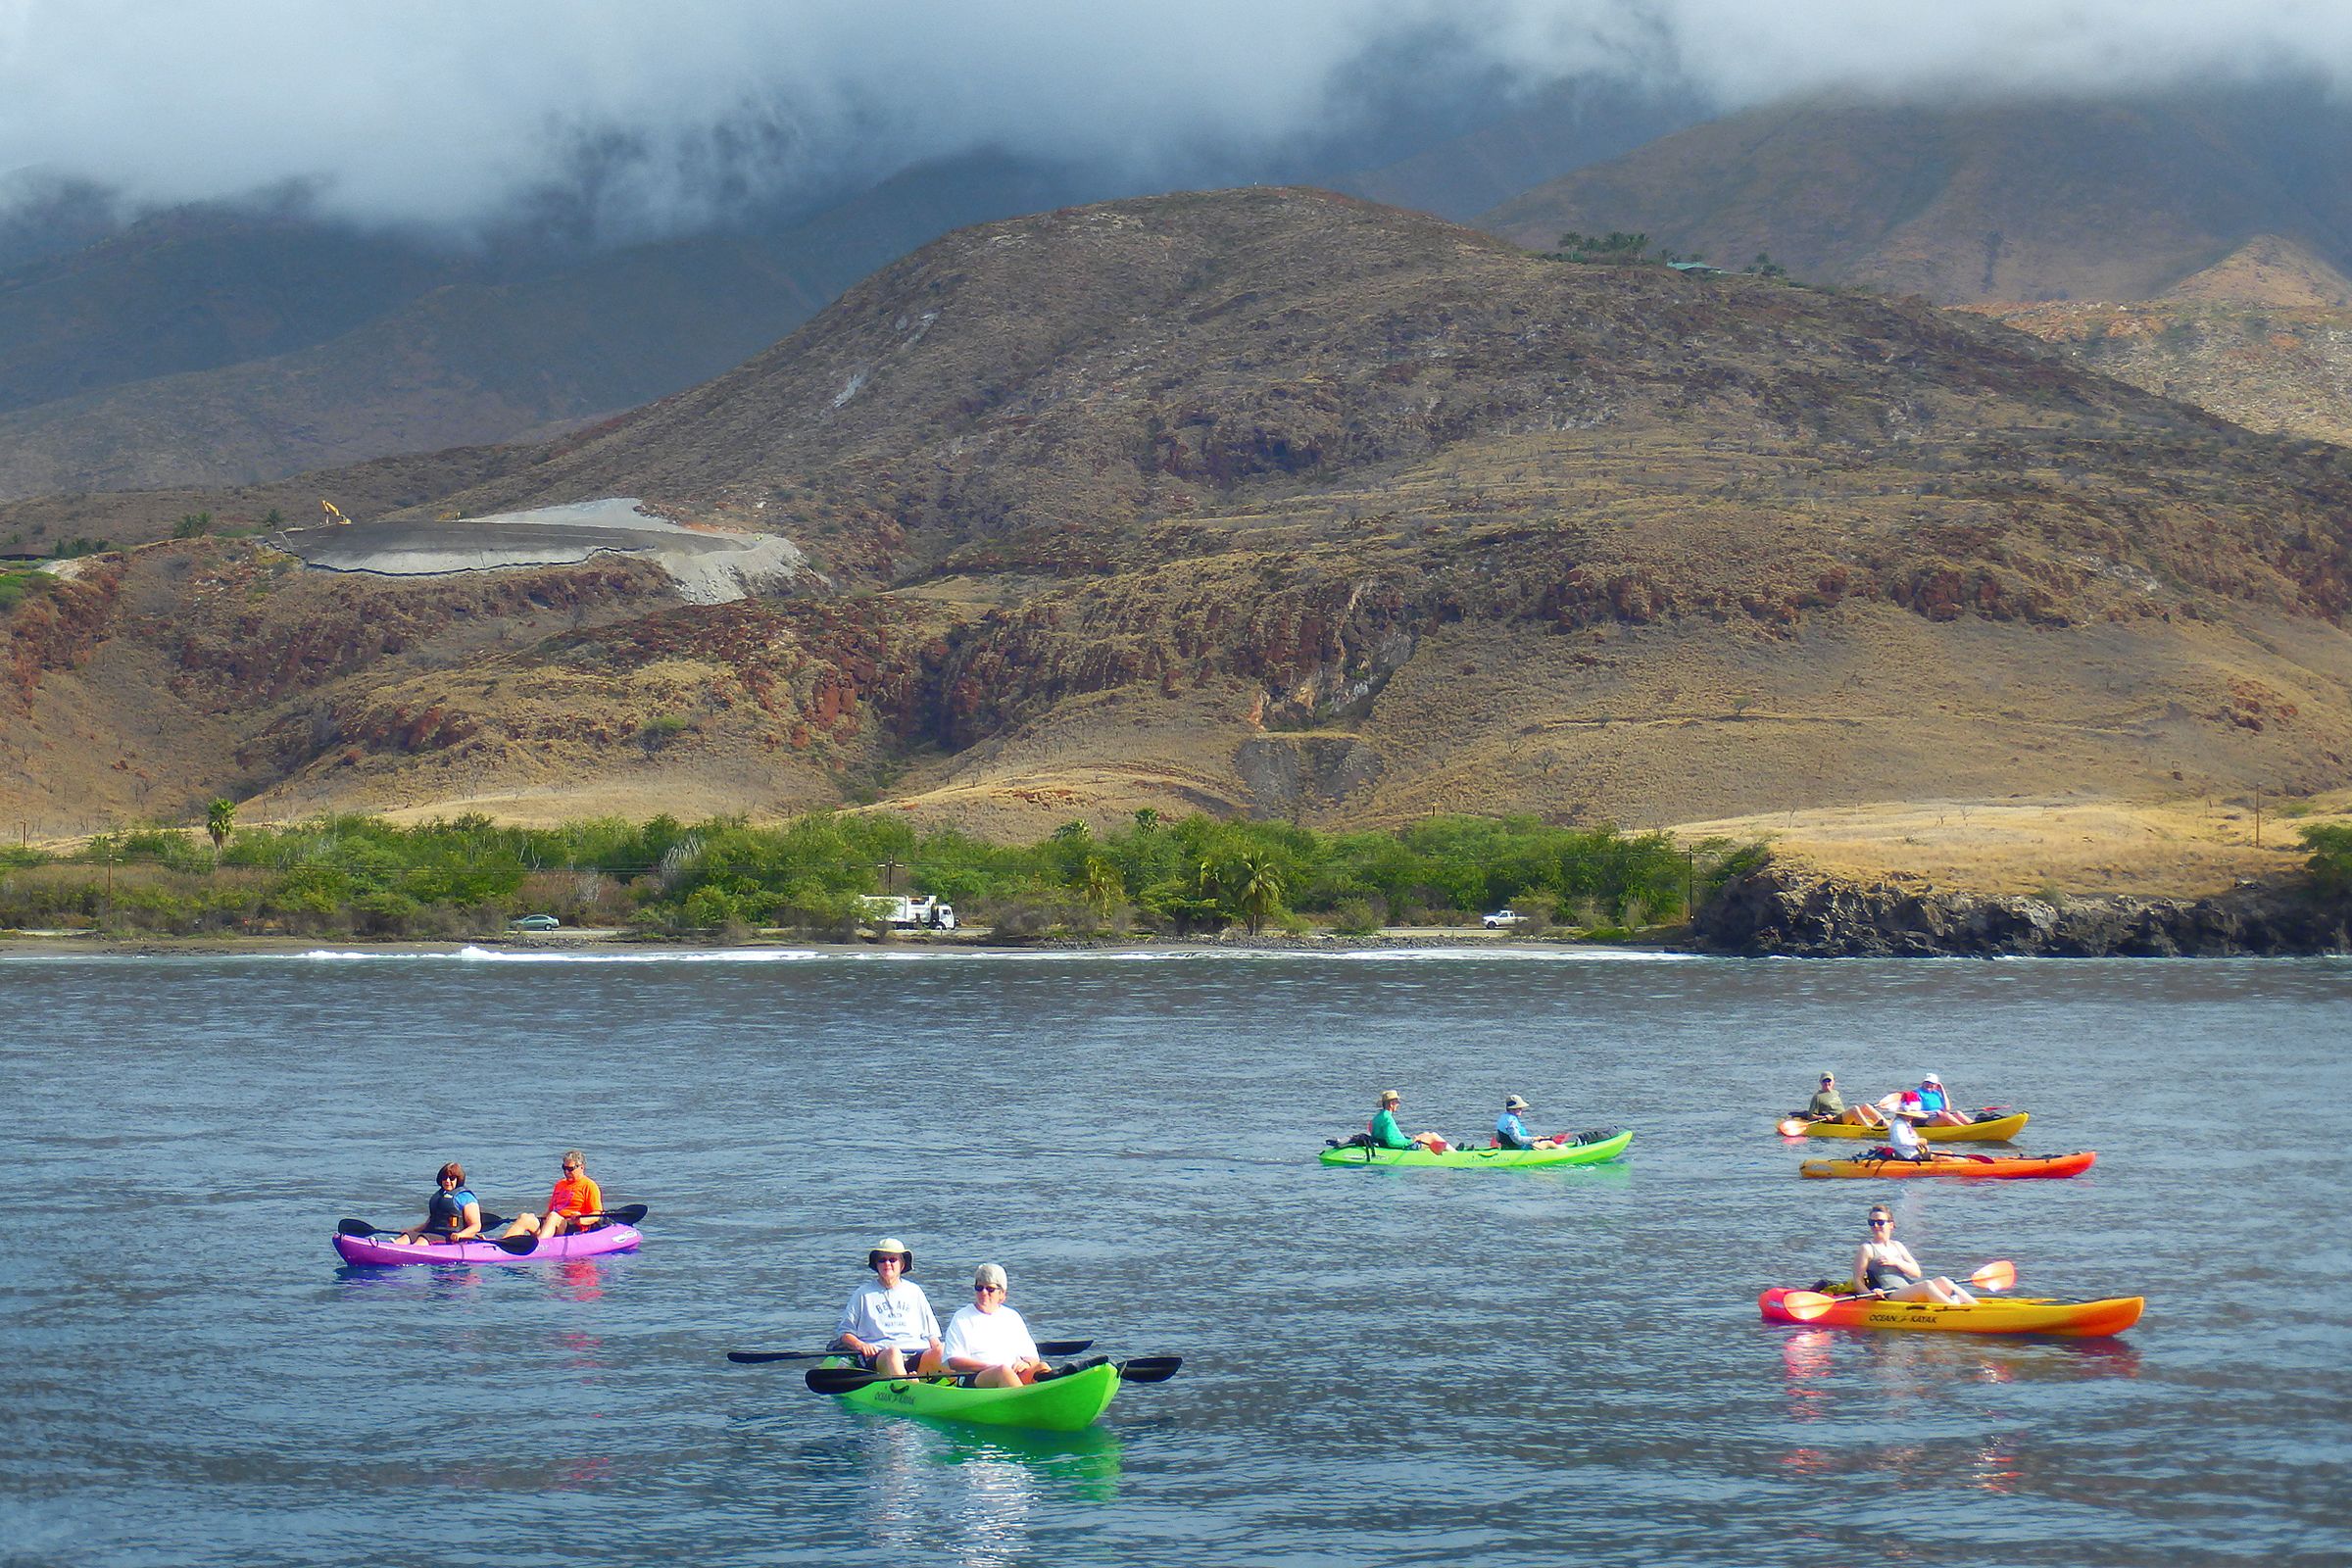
(1387, 1095)
(891, 1246)
(1513, 1102)
(1932, 1078)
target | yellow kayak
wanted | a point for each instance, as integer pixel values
(2073, 1319)
(1976, 1132)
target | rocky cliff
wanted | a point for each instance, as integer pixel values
(1787, 910)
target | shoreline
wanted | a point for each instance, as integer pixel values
(50, 943)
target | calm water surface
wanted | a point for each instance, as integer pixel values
(1393, 1366)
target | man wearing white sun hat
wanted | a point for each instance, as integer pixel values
(889, 1321)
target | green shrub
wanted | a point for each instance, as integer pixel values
(2330, 862)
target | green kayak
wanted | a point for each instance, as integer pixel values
(1058, 1405)
(1592, 1153)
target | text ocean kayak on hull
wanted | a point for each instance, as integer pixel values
(1068, 1403)
(2071, 1319)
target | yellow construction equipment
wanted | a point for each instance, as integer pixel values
(333, 514)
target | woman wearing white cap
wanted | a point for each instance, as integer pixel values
(1938, 1103)
(889, 1320)
(1511, 1132)
(987, 1340)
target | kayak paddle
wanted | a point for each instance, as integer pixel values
(360, 1227)
(845, 1380)
(1806, 1306)
(753, 1358)
(1148, 1368)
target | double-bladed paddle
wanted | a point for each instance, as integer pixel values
(751, 1357)
(1136, 1369)
(1806, 1306)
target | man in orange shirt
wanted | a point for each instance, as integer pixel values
(576, 1205)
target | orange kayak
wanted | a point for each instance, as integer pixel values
(2074, 1319)
(1965, 1167)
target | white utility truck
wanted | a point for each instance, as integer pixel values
(910, 914)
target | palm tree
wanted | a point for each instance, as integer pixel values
(219, 821)
(1103, 886)
(1256, 888)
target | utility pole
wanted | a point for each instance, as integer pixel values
(2258, 816)
(890, 870)
(1690, 886)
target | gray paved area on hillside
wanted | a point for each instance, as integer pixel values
(709, 565)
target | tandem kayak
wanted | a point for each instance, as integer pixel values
(1971, 1167)
(1592, 1153)
(1997, 1131)
(1068, 1403)
(579, 1243)
(2074, 1319)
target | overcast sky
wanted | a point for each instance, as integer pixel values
(446, 111)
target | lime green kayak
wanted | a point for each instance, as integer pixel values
(1058, 1405)
(1592, 1153)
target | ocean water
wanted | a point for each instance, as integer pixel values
(1379, 1366)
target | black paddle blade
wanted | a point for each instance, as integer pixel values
(515, 1246)
(1063, 1347)
(355, 1227)
(842, 1379)
(1150, 1368)
(629, 1215)
(755, 1358)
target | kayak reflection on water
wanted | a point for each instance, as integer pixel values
(967, 1495)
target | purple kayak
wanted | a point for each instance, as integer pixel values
(578, 1244)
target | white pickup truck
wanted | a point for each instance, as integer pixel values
(1500, 918)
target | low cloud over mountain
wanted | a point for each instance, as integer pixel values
(649, 120)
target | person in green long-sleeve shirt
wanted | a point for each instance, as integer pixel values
(1830, 1105)
(1386, 1134)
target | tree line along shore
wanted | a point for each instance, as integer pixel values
(817, 875)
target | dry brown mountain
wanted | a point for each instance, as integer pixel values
(1279, 501)
(2263, 338)
(2015, 201)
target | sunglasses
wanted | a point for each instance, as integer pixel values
(1882, 1221)
(983, 1290)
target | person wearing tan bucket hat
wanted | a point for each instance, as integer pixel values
(1386, 1134)
(1511, 1132)
(889, 1322)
